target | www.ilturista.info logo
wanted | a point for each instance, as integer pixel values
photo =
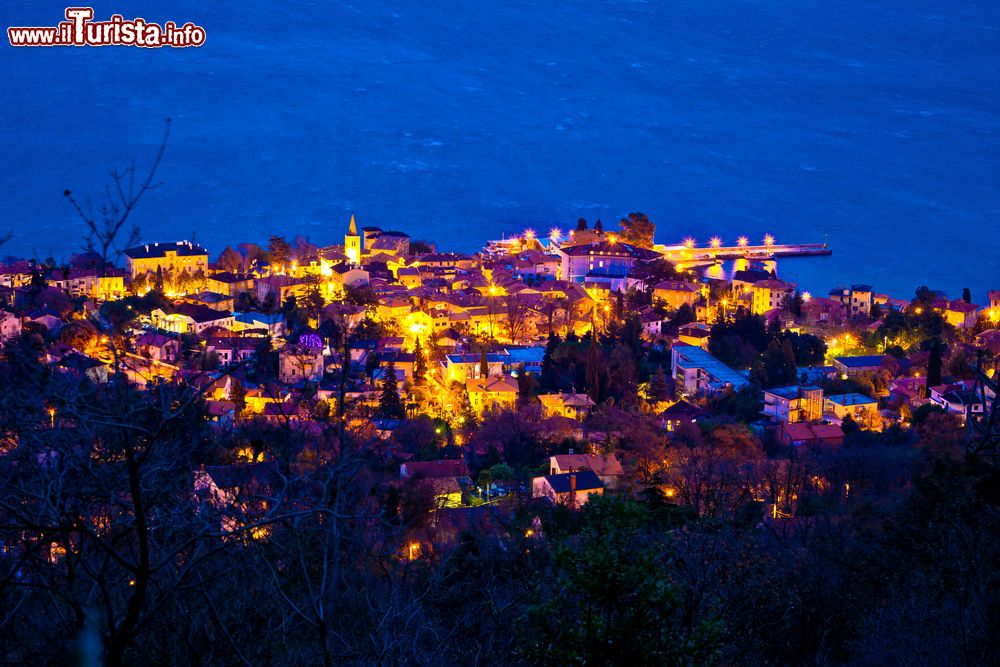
(79, 29)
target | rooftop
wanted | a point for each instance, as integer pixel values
(150, 250)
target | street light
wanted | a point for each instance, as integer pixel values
(52, 417)
(768, 240)
(743, 242)
(716, 242)
(689, 242)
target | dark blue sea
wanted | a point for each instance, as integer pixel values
(872, 124)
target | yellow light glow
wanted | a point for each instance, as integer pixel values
(806, 296)
(689, 242)
(529, 233)
(612, 238)
(716, 242)
(768, 240)
(555, 234)
(742, 242)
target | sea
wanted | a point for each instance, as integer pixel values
(871, 125)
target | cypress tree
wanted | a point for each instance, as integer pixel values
(934, 365)
(484, 364)
(390, 405)
(419, 363)
(594, 371)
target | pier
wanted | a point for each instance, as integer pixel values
(690, 255)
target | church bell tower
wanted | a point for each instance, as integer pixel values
(352, 243)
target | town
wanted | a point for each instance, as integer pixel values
(341, 428)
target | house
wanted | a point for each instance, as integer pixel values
(993, 314)
(794, 404)
(958, 313)
(797, 434)
(173, 258)
(159, 347)
(859, 407)
(606, 466)
(89, 283)
(409, 277)
(300, 362)
(849, 367)
(229, 283)
(908, 389)
(492, 393)
(213, 300)
(191, 318)
(697, 372)
(676, 293)
(460, 367)
(349, 275)
(273, 324)
(954, 398)
(84, 366)
(528, 357)
(769, 294)
(536, 265)
(279, 288)
(10, 325)
(694, 333)
(821, 310)
(574, 406)
(679, 413)
(606, 261)
(48, 318)
(571, 489)
(856, 299)
(232, 349)
(447, 478)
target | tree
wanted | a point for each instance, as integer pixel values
(638, 230)
(581, 225)
(158, 280)
(419, 363)
(599, 226)
(390, 405)
(122, 197)
(279, 250)
(966, 295)
(484, 364)
(609, 600)
(516, 317)
(230, 260)
(934, 364)
(658, 388)
(595, 372)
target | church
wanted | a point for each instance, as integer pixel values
(372, 240)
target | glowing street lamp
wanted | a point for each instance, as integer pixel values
(555, 234)
(716, 242)
(52, 417)
(768, 240)
(743, 242)
(529, 234)
(689, 242)
(612, 239)
(806, 296)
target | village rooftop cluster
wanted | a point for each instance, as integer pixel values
(457, 337)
